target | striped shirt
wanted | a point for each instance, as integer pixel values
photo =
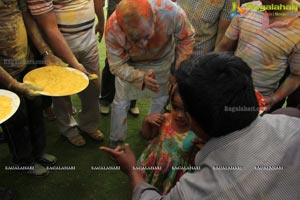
(205, 16)
(261, 161)
(75, 19)
(267, 48)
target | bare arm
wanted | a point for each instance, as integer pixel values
(38, 40)
(226, 44)
(12, 84)
(222, 27)
(47, 23)
(5, 78)
(127, 161)
(99, 4)
(291, 83)
(151, 125)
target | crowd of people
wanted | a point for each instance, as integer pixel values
(194, 55)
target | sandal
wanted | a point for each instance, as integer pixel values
(97, 135)
(77, 140)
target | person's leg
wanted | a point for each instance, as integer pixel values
(67, 124)
(107, 89)
(36, 125)
(90, 114)
(47, 107)
(38, 132)
(133, 109)
(18, 137)
(118, 124)
(158, 104)
(25, 141)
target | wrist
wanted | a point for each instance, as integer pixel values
(274, 99)
(12, 84)
(144, 82)
(136, 177)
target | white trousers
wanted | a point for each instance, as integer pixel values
(89, 114)
(118, 123)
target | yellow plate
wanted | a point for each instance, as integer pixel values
(57, 81)
(9, 103)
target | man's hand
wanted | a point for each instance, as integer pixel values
(100, 30)
(269, 102)
(150, 81)
(28, 90)
(199, 142)
(123, 157)
(155, 119)
(51, 59)
(81, 68)
(126, 160)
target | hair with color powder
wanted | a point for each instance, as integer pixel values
(130, 13)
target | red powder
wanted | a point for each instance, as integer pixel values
(169, 7)
(158, 3)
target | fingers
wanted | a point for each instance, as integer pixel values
(126, 148)
(152, 84)
(150, 81)
(92, 76)
(156, 119)
(112, 152)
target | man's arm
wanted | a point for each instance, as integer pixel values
(291, 83)
(151, 125)
(225, 19)
(222, 27)
(99, 4)
(12, 84)
(38, 41)
(47, 23)
(226, 44)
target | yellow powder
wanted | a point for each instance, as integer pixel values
(57, 81)
(5, 107)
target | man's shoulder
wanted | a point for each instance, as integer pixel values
(281, 126)
(165, 6)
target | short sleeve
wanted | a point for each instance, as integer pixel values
(226, 11)
(39, 7)
(294, 60)
(233, 30)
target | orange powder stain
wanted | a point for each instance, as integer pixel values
(158, 3)
(169, 7)
(144, 9)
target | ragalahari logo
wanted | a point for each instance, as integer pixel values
(236, 10)
(270, 9)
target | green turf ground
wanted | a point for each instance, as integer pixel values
(83, 183)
